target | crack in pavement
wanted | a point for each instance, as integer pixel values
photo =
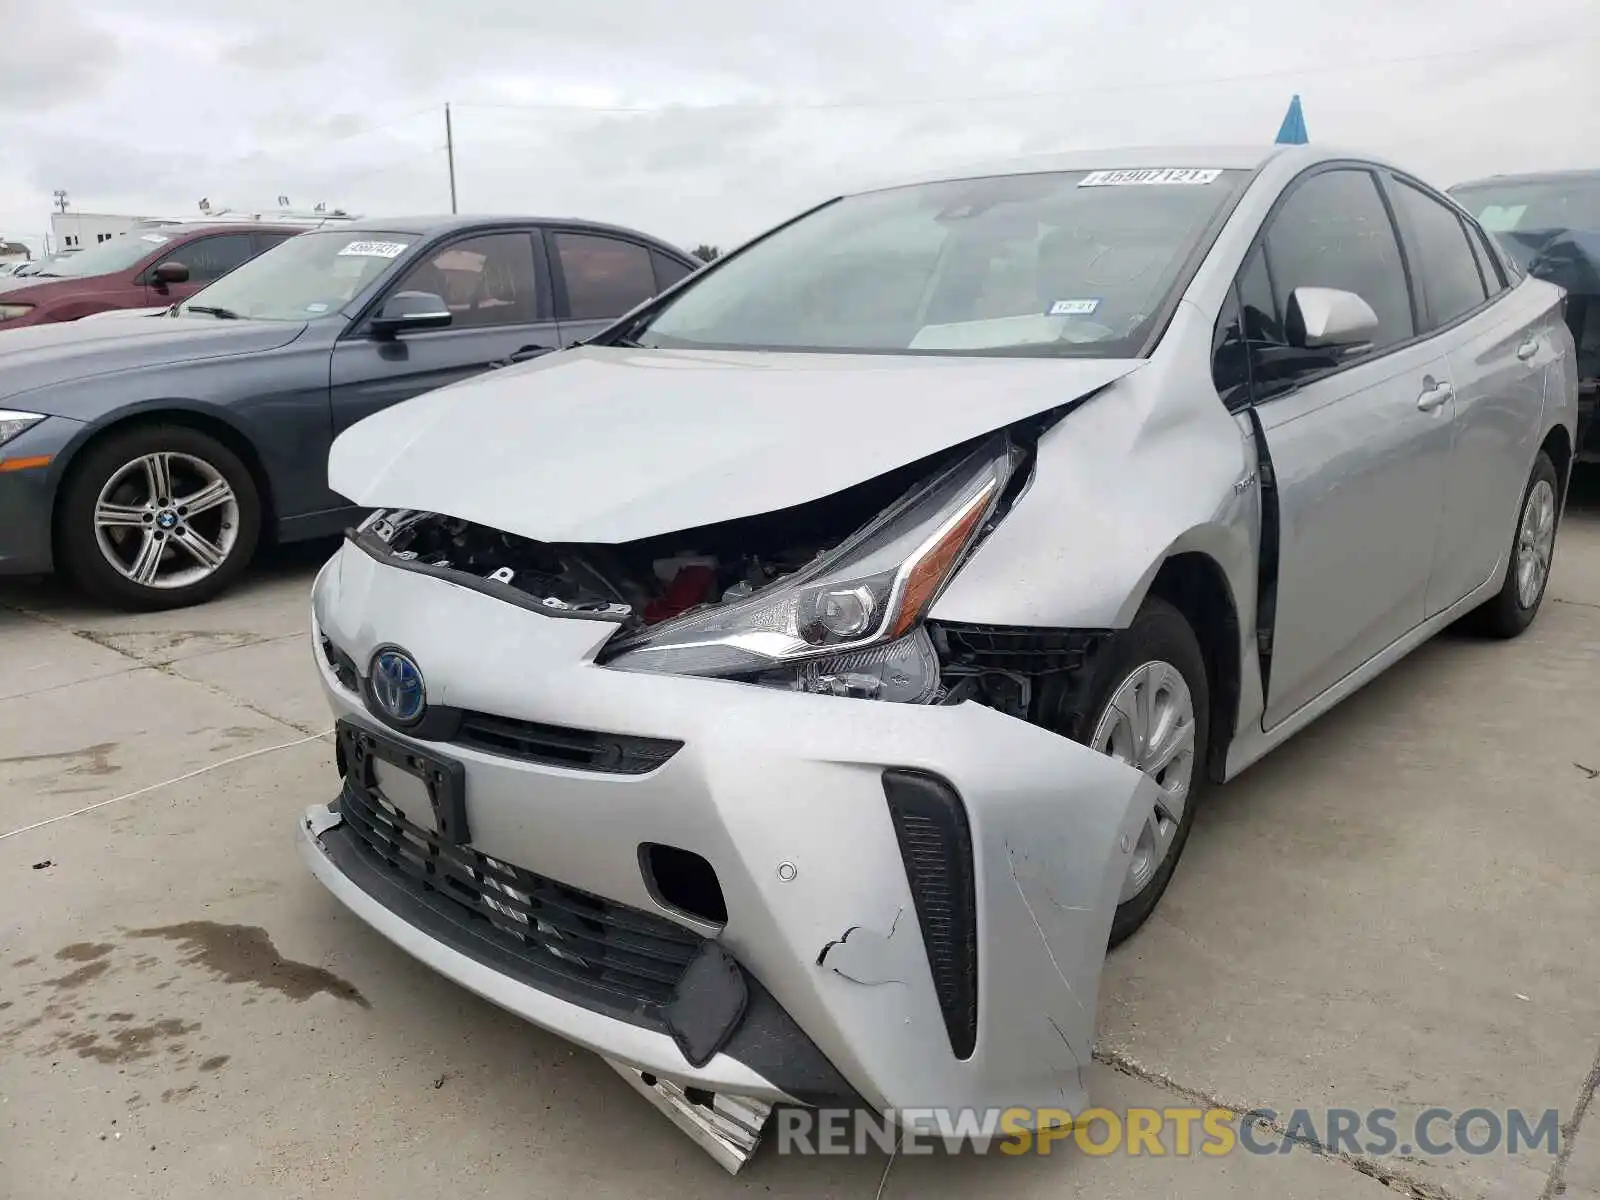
(1556, 1184)
(169, 667)
(1382, 1172)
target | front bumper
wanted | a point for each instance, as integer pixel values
(785, 795)
(27, 496)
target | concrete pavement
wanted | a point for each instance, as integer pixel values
(1395, 910)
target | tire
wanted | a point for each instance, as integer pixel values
(1159, 643)
(1507, 614)
(117, 471)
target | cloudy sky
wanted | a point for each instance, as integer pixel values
(707, 120)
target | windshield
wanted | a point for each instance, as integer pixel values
(107, 258)
(304, 277)
(1536, 204)
(1059, 263)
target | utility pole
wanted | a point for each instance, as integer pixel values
(450, 153)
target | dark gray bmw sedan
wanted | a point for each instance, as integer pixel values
(148, 456)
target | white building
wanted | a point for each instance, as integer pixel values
(79, 230)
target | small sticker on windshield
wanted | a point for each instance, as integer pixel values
(1149, 175)
(1073, 308)
(316, 308)
(374, 249)
(156, 238)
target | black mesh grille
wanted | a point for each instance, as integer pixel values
(1014, 648)
(553, 745)
(614, 949)
(936, 845)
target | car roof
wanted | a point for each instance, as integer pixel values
(433, 226)
(1573, 176)
(1226, 157)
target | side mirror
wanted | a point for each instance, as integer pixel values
(167, 273)
(1329, 318)
(405, 312)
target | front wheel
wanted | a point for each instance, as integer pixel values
(1147, 703)
(158, 517)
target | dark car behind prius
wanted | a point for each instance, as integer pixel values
(1549, 223)
(149, 457)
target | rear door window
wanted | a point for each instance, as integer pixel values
(1440, 254)
(605, 276)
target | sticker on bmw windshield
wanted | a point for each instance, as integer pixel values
(316, 308)
(1072, 308)
(374, 249)
(1149, 175)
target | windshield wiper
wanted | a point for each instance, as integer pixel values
(211, 310)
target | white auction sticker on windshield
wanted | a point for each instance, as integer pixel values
(1149, 175)
(157, 238)
(1073, 308)
(374, 249)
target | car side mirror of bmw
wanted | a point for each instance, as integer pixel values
(1329, 319)
(408, 312)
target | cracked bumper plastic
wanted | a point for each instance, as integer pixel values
(783, 794)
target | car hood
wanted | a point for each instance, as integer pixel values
(38, 356)
(610, 445)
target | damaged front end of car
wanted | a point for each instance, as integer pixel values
(901, 884)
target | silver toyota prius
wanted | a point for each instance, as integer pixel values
(790, 693)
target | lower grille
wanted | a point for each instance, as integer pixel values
(936, 846)
(618, 956)
(554, 745)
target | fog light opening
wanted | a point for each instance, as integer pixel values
(681, 879)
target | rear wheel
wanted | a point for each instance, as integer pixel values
(160, 516)
(1147, 703)
(1533, 548)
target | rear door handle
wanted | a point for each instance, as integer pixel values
(1528, 349)
(1434, 394)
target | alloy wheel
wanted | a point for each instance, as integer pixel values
(166, 520)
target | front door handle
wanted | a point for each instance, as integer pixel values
(1434, 394)
(1528, 349)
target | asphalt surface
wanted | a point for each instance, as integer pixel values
(1396, 910)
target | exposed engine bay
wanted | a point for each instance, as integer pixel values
(646, 582)
(750, 599)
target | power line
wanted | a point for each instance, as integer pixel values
(1000, 97)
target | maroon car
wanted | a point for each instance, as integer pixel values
(147, 268)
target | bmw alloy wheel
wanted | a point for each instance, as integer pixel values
(166, 520)
(1149, 723)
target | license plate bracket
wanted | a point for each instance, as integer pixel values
(444, 779)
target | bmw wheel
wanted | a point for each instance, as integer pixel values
(1145, 700)
(158, 517)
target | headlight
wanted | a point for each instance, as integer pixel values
(13, 423)
(849, 622)
(8, 311)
